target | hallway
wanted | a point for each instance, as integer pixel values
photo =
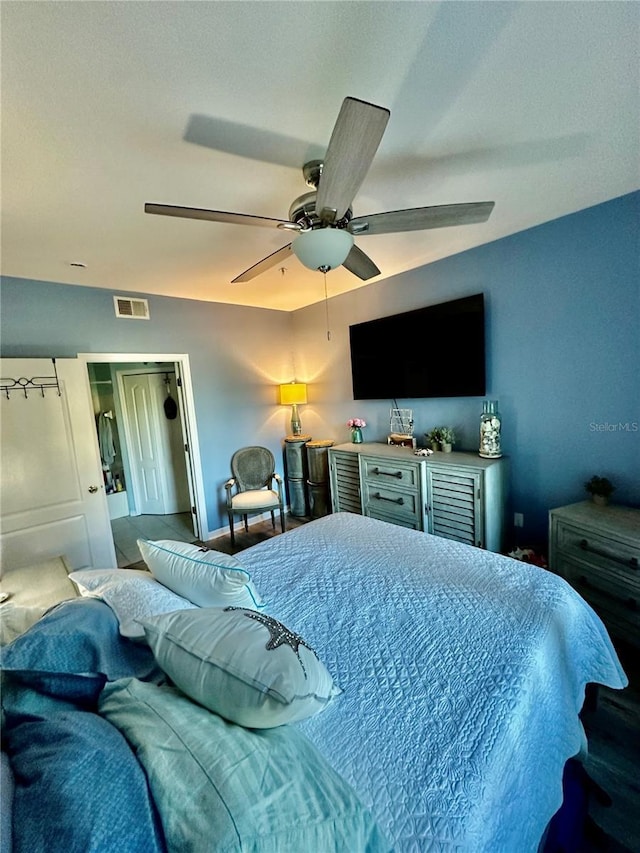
(127, 530)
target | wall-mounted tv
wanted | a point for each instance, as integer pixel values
(437, 351)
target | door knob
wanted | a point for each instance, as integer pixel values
(93, 490)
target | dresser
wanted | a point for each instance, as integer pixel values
(597, 549)
(456, 495)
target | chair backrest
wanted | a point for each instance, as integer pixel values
(252, 467)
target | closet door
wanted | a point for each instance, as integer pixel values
(155, 445)
(53, 499)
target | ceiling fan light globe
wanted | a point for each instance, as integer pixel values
(323, 248)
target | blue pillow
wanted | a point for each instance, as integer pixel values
(74, 650)
(78, 787)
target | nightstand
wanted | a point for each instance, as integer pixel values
(597, 549)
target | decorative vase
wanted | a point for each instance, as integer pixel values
(600, 500)
(490, 429)
(446, 447)
(356, 435)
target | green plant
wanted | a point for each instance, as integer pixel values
(434, 435)
(600, 486)
(441, 435)
(447, 435)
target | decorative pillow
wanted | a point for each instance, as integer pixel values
(131, 594)
(220, 787)
(244, 665)
(73, 650)
(208, 578)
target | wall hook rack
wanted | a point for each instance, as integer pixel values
(36, 383)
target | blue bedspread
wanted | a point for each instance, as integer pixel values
(463, 673)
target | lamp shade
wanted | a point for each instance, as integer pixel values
(293, 393)
(323, 249)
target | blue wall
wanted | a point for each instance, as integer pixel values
(563, 354)
(237, 357)
(563, 328)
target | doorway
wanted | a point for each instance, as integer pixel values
(151, 468)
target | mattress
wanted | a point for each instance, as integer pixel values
(462, 673)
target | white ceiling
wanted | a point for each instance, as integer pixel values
(108, 105)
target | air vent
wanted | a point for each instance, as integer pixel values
(132, 309)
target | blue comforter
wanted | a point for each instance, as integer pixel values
(462, 672)
(462, 675)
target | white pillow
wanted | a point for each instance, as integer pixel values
(131, 594)
(208, 578)
(241, 664)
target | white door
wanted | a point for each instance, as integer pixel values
(155, 445)
(53, 501)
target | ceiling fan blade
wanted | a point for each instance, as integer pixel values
(419, 218)
(360, 264)
(353, 144)
(219, 216)
(266, 263)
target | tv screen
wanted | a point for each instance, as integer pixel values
(437, 351)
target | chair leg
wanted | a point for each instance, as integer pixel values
(282, 521)
(232, 532)
(273, 519)
(246, 523)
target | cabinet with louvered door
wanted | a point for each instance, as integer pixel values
(454, 504)
(344, 477)
(457, 495)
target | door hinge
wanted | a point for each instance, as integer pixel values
(179, 381)
(194, 511)
(186, 448)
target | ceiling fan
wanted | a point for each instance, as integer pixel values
(323, 219)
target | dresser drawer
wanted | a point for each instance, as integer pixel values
(379, 501)
(617, 604)
(410, 521)
(613, 556)
(384, 472)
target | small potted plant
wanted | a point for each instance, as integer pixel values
(600, 489)
(433, 438)
(447, 438)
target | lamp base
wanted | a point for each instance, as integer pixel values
(296, 424)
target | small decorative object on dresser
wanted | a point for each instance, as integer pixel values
(447, 439)
(433, 438)
(356, 425)
(597, 549)
(441, 438)
(490, 430)
(600, 489)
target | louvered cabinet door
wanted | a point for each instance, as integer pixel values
(454, 504)
(344, 474)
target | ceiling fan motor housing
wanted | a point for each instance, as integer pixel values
(303, 213)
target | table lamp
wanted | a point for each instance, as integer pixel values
(294, 394)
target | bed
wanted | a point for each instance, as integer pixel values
(449, 682)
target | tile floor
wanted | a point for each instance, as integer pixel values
(131, 528)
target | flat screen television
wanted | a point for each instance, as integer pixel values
(437, 351)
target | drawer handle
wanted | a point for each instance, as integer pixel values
(632, 562)
(378, 472)
(629, 603)
(380, 497)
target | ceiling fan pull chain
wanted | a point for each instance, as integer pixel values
(326, 306)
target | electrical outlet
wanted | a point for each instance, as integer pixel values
(518, 519)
